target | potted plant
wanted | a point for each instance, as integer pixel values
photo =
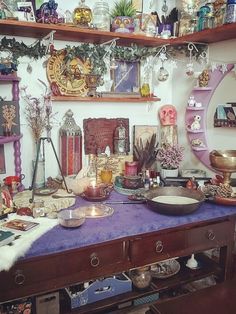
(170, 157)
(123, 16)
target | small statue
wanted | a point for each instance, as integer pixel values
(47, 13)
(191, 101)
(196, 123)
(203, 78)
(120, 140)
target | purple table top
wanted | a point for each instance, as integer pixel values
(127, 220)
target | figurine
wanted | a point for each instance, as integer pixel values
(191, 101)
(168, 115)
(47, 13)
(196, 123)
(203, 78)
(192, 262)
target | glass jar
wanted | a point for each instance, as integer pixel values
(101, 16)
(141, 277)
(82, 15)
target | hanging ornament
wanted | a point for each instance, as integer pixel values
(113, 64)
(213, 66)
(190, 69)
(223, 68)
(163, 74)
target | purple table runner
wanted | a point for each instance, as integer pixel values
(127, 220)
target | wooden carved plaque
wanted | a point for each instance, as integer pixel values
(98, 134)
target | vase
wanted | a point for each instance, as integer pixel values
(169, 173)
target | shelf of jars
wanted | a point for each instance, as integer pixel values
(72, 33)
(105, 99)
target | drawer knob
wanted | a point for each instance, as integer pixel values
(211, 235)
(94, 260)
(159, 246)
(19, 277)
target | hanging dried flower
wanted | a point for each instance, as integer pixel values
(38, 113)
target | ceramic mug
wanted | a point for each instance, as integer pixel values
(8, 180)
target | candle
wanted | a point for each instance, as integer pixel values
(93, 191)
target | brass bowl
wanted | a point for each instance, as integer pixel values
(224, 161)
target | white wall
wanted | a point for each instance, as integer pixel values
(176, 91)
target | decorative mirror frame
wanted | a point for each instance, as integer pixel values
(203, 95)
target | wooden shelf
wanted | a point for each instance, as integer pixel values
(9, 139)
(209, 36)
(105, 99)
(70, 33)
(186, 275)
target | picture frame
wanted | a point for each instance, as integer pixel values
(138, 5)
(126, 77)
(25, 11)
(2, 160)
(144, 133)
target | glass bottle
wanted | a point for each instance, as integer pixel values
(101, 16)
(92, 167)
(82, 15)
(70, 145)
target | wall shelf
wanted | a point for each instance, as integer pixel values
(105, 99)
(69, 33)
(195, 108)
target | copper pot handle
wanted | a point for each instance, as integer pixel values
(94, 260)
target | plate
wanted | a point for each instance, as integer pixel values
(95, 199)
(97, 210)
(165, 269)
(45, 191)
(225, 200)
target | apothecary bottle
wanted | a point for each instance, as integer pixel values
(82, 15)
(101, 16)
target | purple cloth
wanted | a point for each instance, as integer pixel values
(127, 220)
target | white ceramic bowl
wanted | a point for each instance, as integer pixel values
(71, 218)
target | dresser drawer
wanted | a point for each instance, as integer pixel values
(212, 235)
(150, 249)
(59, 270)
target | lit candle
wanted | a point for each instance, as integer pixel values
(93, 190)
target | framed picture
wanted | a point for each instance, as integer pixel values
(25, 11)
(2, 159)
(126, 77)
(9, 118)
(144, 133)
(138, 4)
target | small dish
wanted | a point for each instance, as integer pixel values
(165, 269)
(97, 210)
(96, 198)
(71, 218)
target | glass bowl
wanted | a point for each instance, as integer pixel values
(71, 218)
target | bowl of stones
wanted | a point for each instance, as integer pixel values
(174, 200)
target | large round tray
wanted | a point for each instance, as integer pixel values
(170, 208)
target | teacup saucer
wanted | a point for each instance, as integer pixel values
(96, 198)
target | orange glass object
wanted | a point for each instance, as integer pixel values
(106, 176)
